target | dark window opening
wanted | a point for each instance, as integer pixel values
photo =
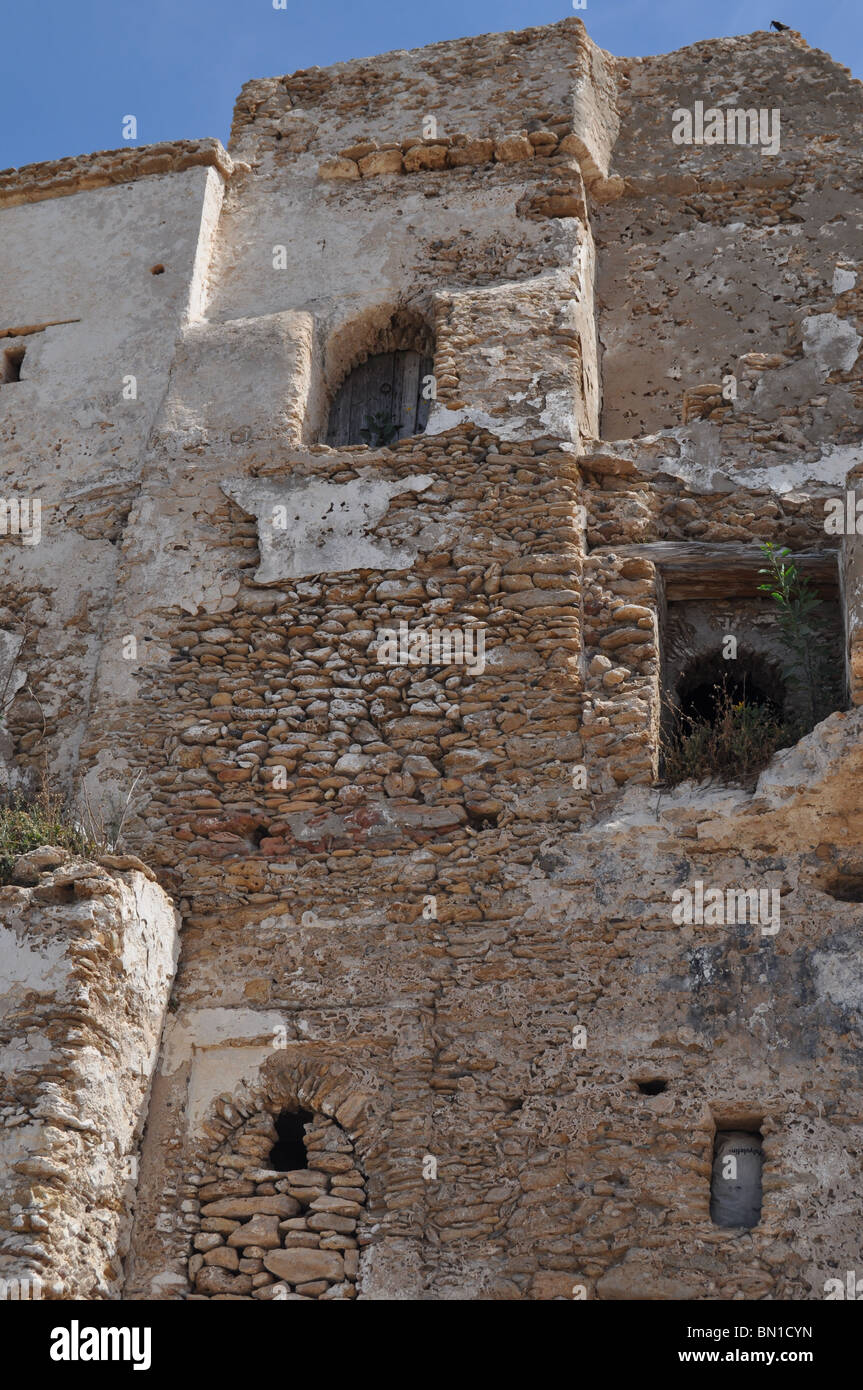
(384, 399)
(289, 1152)
(652, 1088)
(735, 1183)
(157, 269)
(739, 682)
(12, 359)
(482, 820)
(726, 719)
(703, 689)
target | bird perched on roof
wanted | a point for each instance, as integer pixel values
(775, 24)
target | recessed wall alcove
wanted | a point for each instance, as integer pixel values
(723, 645)
(10, 364)
(736, 1176)
(379, 374)
(281, 1201)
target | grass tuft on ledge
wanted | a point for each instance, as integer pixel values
(30, 821)
(737, 743)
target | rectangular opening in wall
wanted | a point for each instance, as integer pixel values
(739, 680)
(735, 1182)
(10, 368)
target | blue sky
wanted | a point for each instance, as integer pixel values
(70, 70)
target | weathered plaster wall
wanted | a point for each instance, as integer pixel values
(87, 956)
(67, 435)
(715, 252)
(481, 228)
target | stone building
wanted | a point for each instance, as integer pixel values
(383, 992)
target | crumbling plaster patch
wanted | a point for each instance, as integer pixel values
(26, 965)
(699, 464)
(843, 279)
(213, 1028)
(839, 976)
(833, 342)
(220, 1069)
(307, 527)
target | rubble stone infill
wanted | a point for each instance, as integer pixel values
(266, 1234)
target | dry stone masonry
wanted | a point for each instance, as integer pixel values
(270, 1233)
(443, 915)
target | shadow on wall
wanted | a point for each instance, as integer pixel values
(735, 691)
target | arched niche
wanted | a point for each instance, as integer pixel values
(383, 375)
(282, 1200)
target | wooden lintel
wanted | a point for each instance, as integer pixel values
(699, 570)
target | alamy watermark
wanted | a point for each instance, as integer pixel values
(21, 516)
(727, 125)
(720, 907)
(851, 1288)
(434, 646)
(843, 516)
(77, 1343)
(23, 1290)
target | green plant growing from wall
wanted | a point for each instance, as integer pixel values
(380, 430)
(30, 821)
(802, 632)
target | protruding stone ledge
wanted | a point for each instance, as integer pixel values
(57, 178)
(367, 159)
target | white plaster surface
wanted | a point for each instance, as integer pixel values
(325, 525)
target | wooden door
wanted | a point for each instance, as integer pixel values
(381, 401)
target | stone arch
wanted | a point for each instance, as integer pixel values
(752, 675)
(386, 348)
(267, 1233)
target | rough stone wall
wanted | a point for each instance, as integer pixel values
(717, 253)
(287, 678)
(399, 904)
(88, 953)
